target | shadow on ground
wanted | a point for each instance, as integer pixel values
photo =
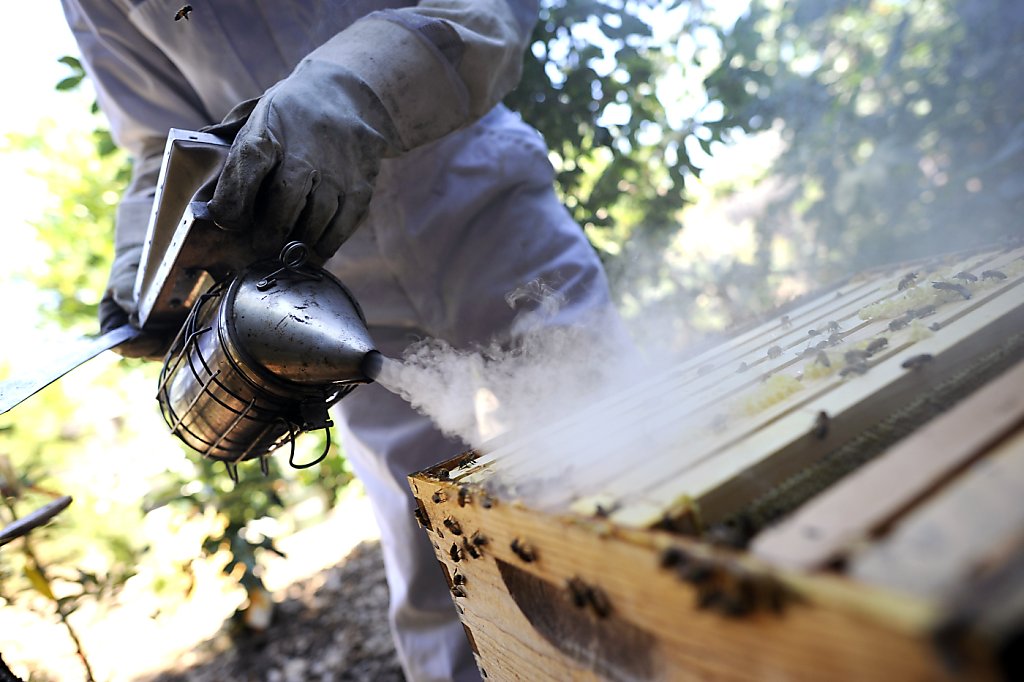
(330, 627)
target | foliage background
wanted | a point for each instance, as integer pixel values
(722, 157)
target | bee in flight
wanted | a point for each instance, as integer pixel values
(183, 13)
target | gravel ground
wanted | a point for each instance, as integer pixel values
(330, 627)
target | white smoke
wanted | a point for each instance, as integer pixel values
(541, 373)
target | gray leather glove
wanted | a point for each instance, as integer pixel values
(306, 154)
(118, 303)
(304, 159)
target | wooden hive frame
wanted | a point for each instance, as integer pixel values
(616, 572)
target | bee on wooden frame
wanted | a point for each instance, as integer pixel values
(956, 288)
(907, 281)
(876, 345)
(821, 424)
(917, 361)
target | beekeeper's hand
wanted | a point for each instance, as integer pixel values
(118, 304)
(305, 155)
(303, 164)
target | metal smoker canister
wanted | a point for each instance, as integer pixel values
(261, 358)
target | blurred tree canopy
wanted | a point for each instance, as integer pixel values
(589, 85)
(902, 124)
(903, 121)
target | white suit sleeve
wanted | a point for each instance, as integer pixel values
(439, 65)
(142, 94)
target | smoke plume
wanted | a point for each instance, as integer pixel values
(539, 374)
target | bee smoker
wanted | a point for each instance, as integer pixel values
(267, 342)
(261, 357)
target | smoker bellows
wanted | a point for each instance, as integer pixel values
(834, 494)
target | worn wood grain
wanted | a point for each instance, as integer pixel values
(552, 589)
(943, 543)
(525, 625)
(857, 507)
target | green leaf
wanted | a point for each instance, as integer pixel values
(73, 62)
(69, 83)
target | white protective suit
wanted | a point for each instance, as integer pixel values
(454, 224)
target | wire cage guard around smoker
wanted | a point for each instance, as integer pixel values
(251, 368)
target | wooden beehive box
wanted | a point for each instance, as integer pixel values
(807, 502)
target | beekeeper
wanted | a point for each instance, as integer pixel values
(380, 115)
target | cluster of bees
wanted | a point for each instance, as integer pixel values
(723, 585)
(918, 295)
(918, 303)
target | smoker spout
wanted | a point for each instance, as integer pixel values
(372, 364)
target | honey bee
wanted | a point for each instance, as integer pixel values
(835, 339)
(742, 602)
(459, 579)
(709, 599)
(439, 496)
(458, 591)
(923, 311)
(965, 276)
(455, 553)
(833, 326)
(855, 356)
(907, 281)
(599, 602)
(183, 13)
(453, 526)
(464, 495)
(813, 332)
(821, 424)
(957, 288)
(470, 549)
(993, 274)
(523, 550)
(479, 539)
(696, 572)
(876, 345)
(579, 592)
(774, 352)
(672, 557)
(917, 361)
(858, 367)
(897, 324)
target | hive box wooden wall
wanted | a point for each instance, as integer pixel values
(896, 571)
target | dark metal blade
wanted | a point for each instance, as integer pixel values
(16, 389)
(34, 519)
